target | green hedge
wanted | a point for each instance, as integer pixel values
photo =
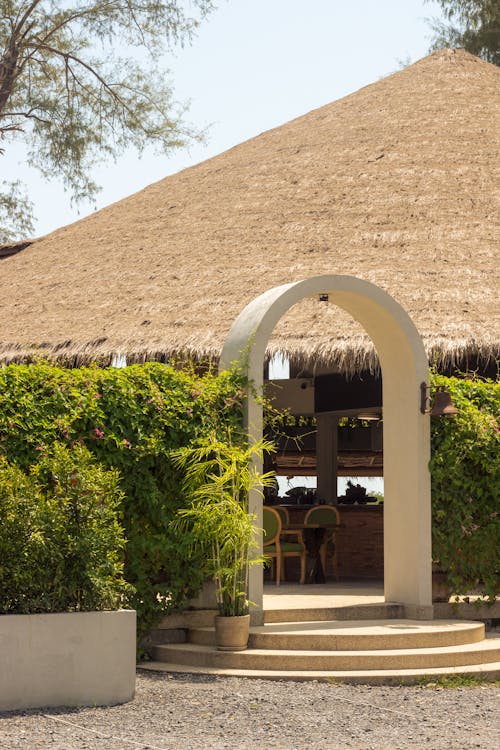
(130, 419)
(465, 472)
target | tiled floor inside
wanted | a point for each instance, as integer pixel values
(316, 595)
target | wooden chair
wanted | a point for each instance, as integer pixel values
(283, 514)
(287, 534)
(279, 549)
(325, 514)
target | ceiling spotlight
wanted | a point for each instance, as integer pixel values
(369, 416)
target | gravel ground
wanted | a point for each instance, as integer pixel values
(208, 713)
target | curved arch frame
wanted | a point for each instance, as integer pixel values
(407, 502)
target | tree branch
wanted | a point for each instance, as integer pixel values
(8, 65)
(67, 56)
(30, 115)
(24, 18)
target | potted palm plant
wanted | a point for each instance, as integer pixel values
(218, 477)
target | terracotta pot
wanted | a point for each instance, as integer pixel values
(231, 633)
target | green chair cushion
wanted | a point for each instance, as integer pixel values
(270, 523)
(322, 514)
(285, 547)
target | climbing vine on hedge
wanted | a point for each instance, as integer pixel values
(130, 419)
(465, 472)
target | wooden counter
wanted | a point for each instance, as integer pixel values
(360, 541)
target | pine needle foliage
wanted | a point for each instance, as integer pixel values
(82, 80)
(471, 24)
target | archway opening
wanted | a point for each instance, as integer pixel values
(407, 516)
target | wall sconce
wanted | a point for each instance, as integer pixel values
(439, 406)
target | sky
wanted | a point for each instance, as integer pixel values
(254, 65)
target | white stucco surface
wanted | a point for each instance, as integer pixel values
(67, 659)
(407, 500)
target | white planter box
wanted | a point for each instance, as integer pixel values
(67, 659)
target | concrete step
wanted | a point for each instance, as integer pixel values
(487, 651)
(487, 672)
(373, 611)
(364, 635)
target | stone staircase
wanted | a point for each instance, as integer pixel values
(364, 643)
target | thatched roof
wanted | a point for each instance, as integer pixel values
(396, 183)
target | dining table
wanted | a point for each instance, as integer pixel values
(314, 534)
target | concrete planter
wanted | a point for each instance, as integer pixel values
(67, 659)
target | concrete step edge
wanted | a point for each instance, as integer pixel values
(347, 612)
(487, 672)
(300, 636)
(451, 656)
(488, 645)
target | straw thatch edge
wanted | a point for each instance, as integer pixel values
(347, 358)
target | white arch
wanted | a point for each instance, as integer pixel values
(407, 504)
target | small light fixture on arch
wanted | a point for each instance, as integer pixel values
(440, 405)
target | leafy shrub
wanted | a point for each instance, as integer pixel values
(130, 419)
(465, 471)
(60, 539)
(21, 540)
